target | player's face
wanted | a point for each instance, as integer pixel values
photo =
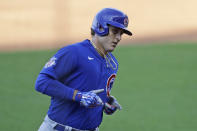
(110, 41)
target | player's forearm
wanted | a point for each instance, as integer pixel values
(52, 87)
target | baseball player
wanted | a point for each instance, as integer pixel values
(79, 77)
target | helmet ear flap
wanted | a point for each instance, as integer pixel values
(102, 30)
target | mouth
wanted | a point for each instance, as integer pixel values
(114, 44)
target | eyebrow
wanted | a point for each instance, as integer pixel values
(117, 29)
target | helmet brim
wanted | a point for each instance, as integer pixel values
(126, 31)
(120, 26)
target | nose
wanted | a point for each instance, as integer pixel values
(118, 36)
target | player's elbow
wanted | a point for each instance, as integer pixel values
(37, 86)
(40, 83)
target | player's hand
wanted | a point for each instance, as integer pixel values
(111, 106)
(89, 99)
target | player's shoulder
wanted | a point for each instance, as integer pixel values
(74, 48)
(81, 46)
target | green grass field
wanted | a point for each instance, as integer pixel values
(156, 85)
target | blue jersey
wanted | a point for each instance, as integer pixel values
(76, 67)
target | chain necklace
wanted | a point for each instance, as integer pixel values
(107, 57)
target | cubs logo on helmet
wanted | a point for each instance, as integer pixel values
(126, 22)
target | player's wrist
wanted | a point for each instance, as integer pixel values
(77, 96)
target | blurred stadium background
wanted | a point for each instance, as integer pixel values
(50, 23)
(157, 78)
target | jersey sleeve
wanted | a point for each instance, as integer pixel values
(61, 64)
(49, 79)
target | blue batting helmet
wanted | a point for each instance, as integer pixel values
(110, 16)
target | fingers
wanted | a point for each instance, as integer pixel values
(99, 101)
(91, 99)
(118, 105)
(97, 91)
(115, 103)
(107, 105)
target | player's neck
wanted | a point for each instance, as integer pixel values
(99, 48)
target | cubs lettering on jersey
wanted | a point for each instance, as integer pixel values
(110, 82)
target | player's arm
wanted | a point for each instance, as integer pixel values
(48, 81)
(52, 87)
(61, 64)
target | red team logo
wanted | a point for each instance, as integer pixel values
(126, 22)
(110, 82)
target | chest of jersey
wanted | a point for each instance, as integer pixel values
(95, 72)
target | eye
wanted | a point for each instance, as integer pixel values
(115, 31)
(121, 33)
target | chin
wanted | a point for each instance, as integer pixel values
(110, 50)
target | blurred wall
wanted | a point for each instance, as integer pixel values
(52, 22)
